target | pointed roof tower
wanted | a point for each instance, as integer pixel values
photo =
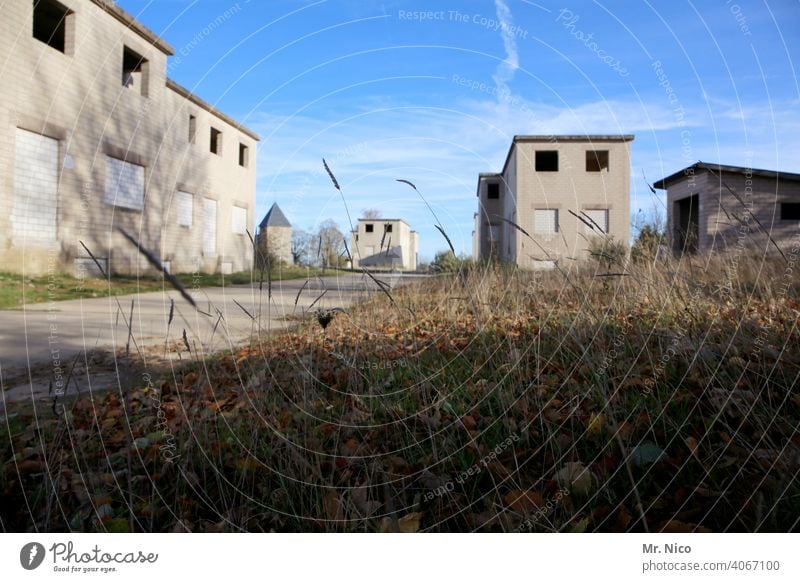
(275, 217)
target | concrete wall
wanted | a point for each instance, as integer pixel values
(78, 99)
(572, 187)
(364, 244)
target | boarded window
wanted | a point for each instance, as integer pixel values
(124, 184)
(244, 155)
(185, 203)
(34, 214)
(135, 71)
(493, 191)
(790, 211)
(52, 23)
(239, 220)
(369, 227)
(545, 221)
(597, 161)
(209, 227)
(598, 219)
(547, 161)
(215, 147)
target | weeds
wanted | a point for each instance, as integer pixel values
(508, 401)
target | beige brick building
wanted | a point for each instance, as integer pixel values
(713, 207)
(384, 243)
(544, 180)
(93, 136)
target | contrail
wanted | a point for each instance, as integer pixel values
(505, 70)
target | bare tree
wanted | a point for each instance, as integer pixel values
(372, 213)
(330, 244)
(302, 243)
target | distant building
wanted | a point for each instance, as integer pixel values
(383, 243)
(275, 236)
(93, 135)
(545, 179)
(714, 207)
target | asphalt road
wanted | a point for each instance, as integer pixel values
(42, 341)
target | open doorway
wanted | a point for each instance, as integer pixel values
(687, 224)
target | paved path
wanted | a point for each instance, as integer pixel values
(43, 340)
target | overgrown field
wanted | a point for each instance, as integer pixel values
(643, 397)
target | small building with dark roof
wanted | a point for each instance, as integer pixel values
(718, 207)
(275, 236)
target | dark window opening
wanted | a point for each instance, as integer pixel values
(596, 161)
(387, 228)
(686, 229)
(192, 128)
(790, 211)
(134, 71)
(369, 228)
(216, 142)
(244, 155)
(50, 22)
(547, 161)
(493, 191)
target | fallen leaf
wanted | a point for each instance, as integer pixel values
(596, 423)
(333, 506)
(523, 501)
(410, 523)
(646, 453)
(576, 477)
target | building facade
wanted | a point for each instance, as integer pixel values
(715, 207)
(94, 136)
(383, 243)
(275, 236)
(562, 191)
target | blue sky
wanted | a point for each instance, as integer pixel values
(433, 91)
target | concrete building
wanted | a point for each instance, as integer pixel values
(275, 236)
(384, 243)
(94, 136)
(714, 207)
(544, 180)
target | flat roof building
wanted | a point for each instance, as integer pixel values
(94, 136)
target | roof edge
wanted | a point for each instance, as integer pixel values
(663, 183)
(131, 23)
(184, 92)
(574, 137)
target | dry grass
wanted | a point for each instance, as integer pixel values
(493, 400)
